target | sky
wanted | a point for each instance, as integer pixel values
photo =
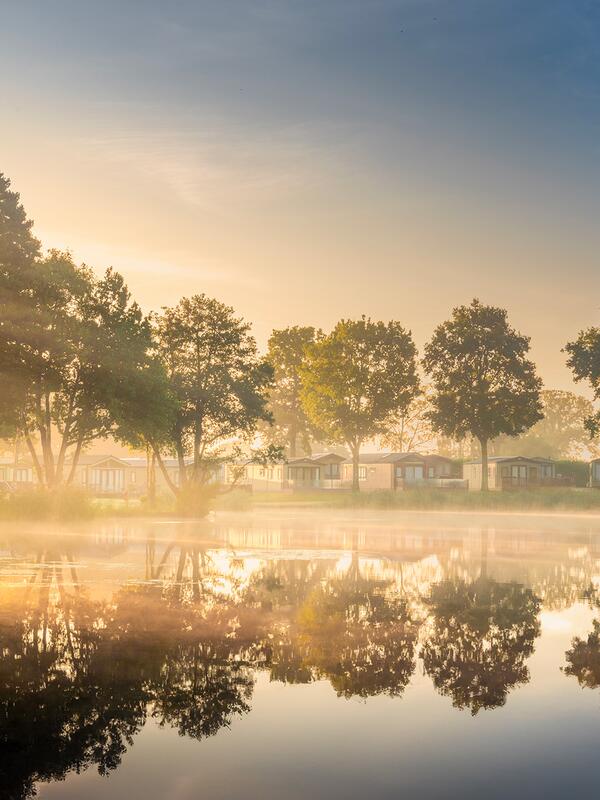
(306, 160)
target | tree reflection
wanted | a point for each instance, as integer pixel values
(356, 632)
(583, 658)
(58, 712)
(483, 633)
(78, 678)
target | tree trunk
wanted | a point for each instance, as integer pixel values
(165, 474)
(484, 465)
(292, 444)
(36, 462)
(355, 459)
(151, 476)
(75, 461)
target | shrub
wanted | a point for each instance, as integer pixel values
(64, 503)
(196, 500)
(579, 470)
(236, 500)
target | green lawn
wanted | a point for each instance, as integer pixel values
(583, 500)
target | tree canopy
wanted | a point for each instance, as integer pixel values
(79, 365)
(291, 425)
(217, 379)
(560, 434)
(354, 378)
(584, 361)
(483, 382)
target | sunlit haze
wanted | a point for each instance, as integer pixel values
(310, 161)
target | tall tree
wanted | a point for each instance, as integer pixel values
(77, 366)
(355, 378)
(219, 383)
(560, 434)
(411, 429)
(484, 384)
(291, 425)
(19, 272)
(584, 360)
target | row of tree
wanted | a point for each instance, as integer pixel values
(362, 381)
(79, 360)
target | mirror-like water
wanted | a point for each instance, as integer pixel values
(300, 656)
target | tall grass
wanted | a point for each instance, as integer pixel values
(62, 504)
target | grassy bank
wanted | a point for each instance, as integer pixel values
(73, 505)
(67, 504)
(571, 500)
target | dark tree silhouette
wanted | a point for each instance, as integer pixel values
(483, 633)
(583, 659)
(484, 384)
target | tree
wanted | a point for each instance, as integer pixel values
(219, 384)
(79, 367)
(584, 361)
(355, 378)
(286, 354)
(560, 434)
(19, 252)
(411, 429)
(483, 383)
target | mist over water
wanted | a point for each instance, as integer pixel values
(298, 654)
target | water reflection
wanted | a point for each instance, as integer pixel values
(583, 658)
(483, 633)
(100, 634)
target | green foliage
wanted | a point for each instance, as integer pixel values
(218, 381)
(196, 499)
(74, 351)
(561, 434)
(356, 377)
(584, 361)
(19, 251)
(484, 385)
(291, 425)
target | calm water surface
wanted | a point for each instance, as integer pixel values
(296, 655)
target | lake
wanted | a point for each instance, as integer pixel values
(299, 654)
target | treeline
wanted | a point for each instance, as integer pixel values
(79, 360)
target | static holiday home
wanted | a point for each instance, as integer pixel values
(514, 472)
(105, 475)
(122, 477)
(403, 471)
(595, 473)
(320, 471)
(18, 476)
